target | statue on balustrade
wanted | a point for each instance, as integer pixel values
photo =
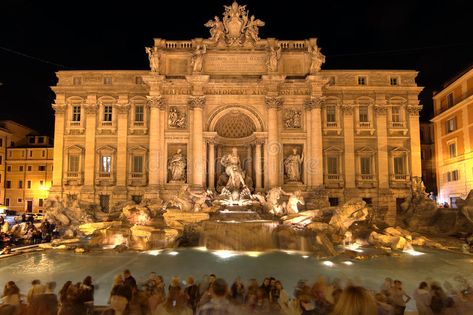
(198, 58)
(177, 167)
(252, 31)
(293, 165)
(316, 59)
(153, 56)
(273, 58)
(236, 177)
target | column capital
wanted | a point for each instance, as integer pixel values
(156, 102)
(414, 110)
(91, 108)
(196, 102)
(122, 108)
(211, 141)
(313, 102)
(273, 102)
(59, 108)
(259, 142)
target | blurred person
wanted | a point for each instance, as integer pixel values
(36, 289)
(355, 300)
(423, 297)
(384, 308)
(398, 298)
(238, 292)
(46, 303)
(192, 292)
(218, 304)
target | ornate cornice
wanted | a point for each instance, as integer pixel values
(156, 102)
(313, 102)
(59, 109)
(380, 110)
(414, 110)
(196, 101)
(273, 102)
(122, 108)
(91, 108)
(347, 109)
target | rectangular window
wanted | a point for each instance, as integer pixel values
(31, 140)
(1, 142)
(449, 177)
(20, 184)
(19, 200)
(333, 201)
(73, 165)
(363, 114)
(30, 153)
(20, 168)
(399, 165)
(9, 168)
(331, 114)
(396, 114)
(7, 184)
(393, 81)
(107, 80)
(139, 113)
(77, 81)
(365, 165)
(332, 165)
(40, 139)
(43, 153)
(452, 150)
(450, 100)
(29, 168)
(107, 113)
(41, 183)
(76, 113)
(1, 159)
(455, 175)
(106, 165)
(42, 168)
(451, 124)
(137, 164)
(28, 184)
(7, 202)
(40, 202)
(361, 80)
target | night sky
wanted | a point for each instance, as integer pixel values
(38, 38)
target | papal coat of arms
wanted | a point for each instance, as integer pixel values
(236, 28)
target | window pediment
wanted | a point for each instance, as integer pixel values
(366, 150)
(106, 149)
(75, 149)
(334, 149)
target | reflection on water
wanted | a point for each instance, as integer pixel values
(288, 267)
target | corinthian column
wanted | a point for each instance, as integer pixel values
(414, 133)
(349, 145)
(211, 145)
(90, 125)
(154, 103)
(274, 147)
(258, 170)
(122, 127)
(196, 103)
(381, 130)
(58, 168)
(315, 164)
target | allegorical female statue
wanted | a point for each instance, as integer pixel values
(198, 58)
(316, 59)
(177, 167)
(293, 165)
(153, 56)
(273, 58)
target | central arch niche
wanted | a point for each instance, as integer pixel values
(235, 125)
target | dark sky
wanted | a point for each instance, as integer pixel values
(38, 38)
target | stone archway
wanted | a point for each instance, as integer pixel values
(238, 127)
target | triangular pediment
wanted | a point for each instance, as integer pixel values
(106, 148)
(366, 149)
(333, 149)
(399, 149)
(75, 148)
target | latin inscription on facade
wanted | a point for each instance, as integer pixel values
(235, 63)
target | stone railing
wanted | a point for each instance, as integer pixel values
(293, 44)
(396, 124)
(333, 180)
(178, 44)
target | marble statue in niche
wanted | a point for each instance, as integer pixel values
(293, 166)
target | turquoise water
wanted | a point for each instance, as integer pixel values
(288, 267)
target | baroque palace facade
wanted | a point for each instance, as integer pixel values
(122, 135)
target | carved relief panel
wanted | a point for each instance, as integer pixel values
(177, 117)
(292, 118)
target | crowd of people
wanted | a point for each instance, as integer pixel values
(212, 296)
(25, 232)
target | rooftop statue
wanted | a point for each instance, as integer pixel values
(236, 28)
(153, 56)
(316, 59)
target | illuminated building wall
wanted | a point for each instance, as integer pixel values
(453, 120)
(28, 174)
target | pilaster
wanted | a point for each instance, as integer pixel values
(381, 129)
(413, 109)
(58, 168)
(91, 110)
(349, 146)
